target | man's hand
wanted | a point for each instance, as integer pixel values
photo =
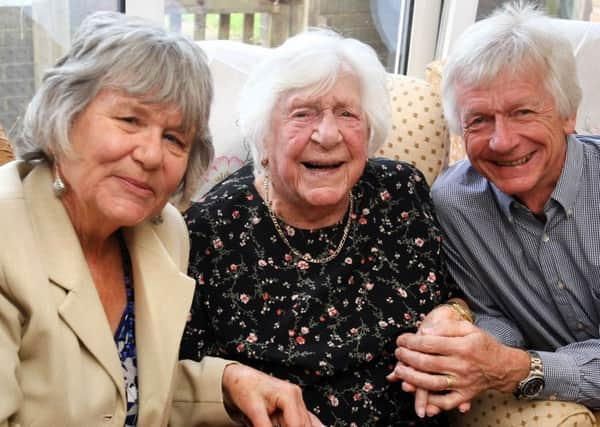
(454, 361)
(441, 314)
(264, 400)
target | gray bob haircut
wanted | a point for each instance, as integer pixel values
(136, 57)
(313, 59)
(515, 38)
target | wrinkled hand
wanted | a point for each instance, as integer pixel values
(264, 400)
(473, 359)
(440, 314)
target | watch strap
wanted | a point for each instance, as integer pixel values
(532, 385)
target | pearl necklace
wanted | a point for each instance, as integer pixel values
(308, 257)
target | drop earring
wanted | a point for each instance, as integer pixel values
(157, 219)
(58, 185)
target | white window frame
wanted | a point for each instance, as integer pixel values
(423, 36)
(457, 15)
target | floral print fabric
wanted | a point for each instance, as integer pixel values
(329, 328)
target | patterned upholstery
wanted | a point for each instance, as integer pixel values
(419, 134)
(433, 75)
(6, 153)
(494, 409)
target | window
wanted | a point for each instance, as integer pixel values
(35, 33)
(406, 34)
(270, 22)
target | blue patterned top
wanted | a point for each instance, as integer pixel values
(125, 340)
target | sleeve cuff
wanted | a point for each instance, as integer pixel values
(561, 376)
(198, 396)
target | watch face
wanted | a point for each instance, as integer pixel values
(533, 387)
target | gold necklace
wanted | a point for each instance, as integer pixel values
(308, 257)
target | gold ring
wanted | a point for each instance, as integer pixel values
(449, 381)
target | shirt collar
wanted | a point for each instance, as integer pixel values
(565, 191)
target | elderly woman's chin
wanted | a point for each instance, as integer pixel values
(112, 209)
(330, 196)
(129, 216)
(126, 212)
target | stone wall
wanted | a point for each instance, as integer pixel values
(16, 64)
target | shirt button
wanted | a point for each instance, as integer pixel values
(580, 325)
(561, 285)
(569, 212)
(545, 238)
(553, 397)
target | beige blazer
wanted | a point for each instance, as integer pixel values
(58, 360)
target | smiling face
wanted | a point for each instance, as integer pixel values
(317, 150)
(128, 158)
(514, 135)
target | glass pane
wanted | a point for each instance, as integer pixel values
(33, 35)
(269, 23)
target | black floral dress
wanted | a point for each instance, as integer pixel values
(329, 328)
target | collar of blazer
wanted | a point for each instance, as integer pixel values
(163, 293)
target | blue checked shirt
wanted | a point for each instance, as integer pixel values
(533, 285)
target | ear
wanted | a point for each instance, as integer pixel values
(569, 124)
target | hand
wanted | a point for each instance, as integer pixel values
(264, 400)
(444, 313)
(440, 314)
(459, 353)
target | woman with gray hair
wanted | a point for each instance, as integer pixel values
(93, 291)
(311, 260)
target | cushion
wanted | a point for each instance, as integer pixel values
(433, 74)
(419, 134)
(493, 409)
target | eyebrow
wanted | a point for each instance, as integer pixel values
(138, 107)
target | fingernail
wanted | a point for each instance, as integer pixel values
(421, 412)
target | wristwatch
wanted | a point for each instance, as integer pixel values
(533, 384)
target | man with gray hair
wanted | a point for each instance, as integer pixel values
(521, 223)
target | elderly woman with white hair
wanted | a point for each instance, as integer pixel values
(310, 261)
(93, 291)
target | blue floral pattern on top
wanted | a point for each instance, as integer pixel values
(125, 340)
